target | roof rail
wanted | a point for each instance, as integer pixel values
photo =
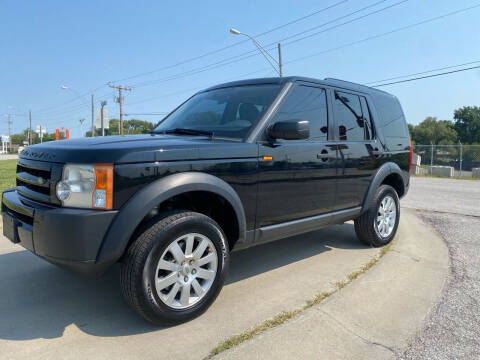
(359, 87)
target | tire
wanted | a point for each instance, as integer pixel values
(366, 226)
(152, 268)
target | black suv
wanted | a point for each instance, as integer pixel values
(235, 165)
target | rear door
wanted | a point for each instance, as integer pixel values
(357, 148)
(297, 179)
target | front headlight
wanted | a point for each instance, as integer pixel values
(86, 186)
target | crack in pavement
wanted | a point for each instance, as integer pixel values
(365, 340)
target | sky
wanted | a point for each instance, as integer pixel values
(151, 46)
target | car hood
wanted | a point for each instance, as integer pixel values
(138, 148)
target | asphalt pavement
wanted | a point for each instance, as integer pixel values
(452, 207)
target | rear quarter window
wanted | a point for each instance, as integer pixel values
(392, 120)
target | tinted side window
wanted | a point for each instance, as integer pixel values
(367, 117)
(306, 103)
(348, 114)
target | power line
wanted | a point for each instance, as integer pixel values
(428, 76)
(200, 56)
(422, 72)
(234, 44)
(147, 114)
(345, 45)
(253, 53)
(429, 20)
(235, 59)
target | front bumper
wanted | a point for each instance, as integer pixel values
(71, 238)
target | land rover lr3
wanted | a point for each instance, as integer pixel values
(235, 165)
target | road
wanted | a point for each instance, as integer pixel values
(8, 157)
(452, 329)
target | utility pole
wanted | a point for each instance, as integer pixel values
(280, 64)
(30, 128)
(10, 122)
(103, 103)
(120, 102)
(81, 126)
(93, 111)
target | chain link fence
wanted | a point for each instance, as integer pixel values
(447, 160)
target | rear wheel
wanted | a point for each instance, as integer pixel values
(378, 225)
(175, 269)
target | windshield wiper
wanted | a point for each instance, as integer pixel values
(186, 132)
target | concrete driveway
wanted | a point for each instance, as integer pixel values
(48, 313)
(8, 157)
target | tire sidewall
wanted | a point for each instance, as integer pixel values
(191, 223)
(383, 191)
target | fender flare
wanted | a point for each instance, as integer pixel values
(384, 171)
(139, 205)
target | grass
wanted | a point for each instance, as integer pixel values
(285, 316)
(7, 174)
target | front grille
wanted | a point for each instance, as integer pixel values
(34, 179)
(26, 219)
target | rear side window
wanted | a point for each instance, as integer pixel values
(353, 117)
(306, 103)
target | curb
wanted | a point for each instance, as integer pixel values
(372, 318)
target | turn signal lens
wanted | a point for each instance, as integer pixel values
(103, 191)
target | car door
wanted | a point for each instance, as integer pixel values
(356, 146)
(297, 177)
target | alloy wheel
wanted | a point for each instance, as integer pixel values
(186, 271)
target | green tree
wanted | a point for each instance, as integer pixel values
(435, 131)
(467, 124)
(133, 126)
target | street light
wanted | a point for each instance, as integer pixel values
(264, 52)
(77, 94)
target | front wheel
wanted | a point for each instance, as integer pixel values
(378, 225)
(176, 268)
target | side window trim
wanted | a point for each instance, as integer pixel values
(330, 117)
(367, 118)
(285, 97)
(333, 90)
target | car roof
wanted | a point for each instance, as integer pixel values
(283, 80)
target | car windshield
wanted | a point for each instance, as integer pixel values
(228, 112)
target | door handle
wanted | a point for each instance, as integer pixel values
(325, 155)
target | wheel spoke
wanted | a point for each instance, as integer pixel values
(200, 249)
(177, 252)
(167, 265)
(189, 244)
(166, 281)
(381, 210)
(206, 259)
(171, 295)
(185, 296)
(206, 274)
(382, 229)
(197, 287)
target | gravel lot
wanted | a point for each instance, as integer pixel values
(453, 327)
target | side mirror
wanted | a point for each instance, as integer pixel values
(290, 130)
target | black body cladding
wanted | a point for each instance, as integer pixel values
(357, 140)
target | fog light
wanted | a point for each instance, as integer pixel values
(100, 198)
(63, 191)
